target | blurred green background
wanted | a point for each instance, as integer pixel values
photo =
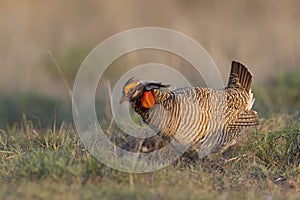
(262, 34)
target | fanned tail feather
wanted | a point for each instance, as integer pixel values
(240, 77)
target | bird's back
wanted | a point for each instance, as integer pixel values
(206, 119)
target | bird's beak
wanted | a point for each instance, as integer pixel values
(123, 98)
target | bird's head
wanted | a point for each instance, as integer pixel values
(140, 90)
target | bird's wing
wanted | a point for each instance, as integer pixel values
(245, 119)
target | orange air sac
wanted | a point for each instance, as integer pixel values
(148, 99)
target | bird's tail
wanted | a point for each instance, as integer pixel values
(240, 77)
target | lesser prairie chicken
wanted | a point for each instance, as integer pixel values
(208, 120)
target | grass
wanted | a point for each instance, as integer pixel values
(35, 161)
(12, 108)
(280, 95)
(52, 163)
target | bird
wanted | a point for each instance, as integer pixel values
(206, 120)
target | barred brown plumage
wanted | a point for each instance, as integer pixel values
(208, 120)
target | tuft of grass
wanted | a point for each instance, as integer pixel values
(39, 164)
